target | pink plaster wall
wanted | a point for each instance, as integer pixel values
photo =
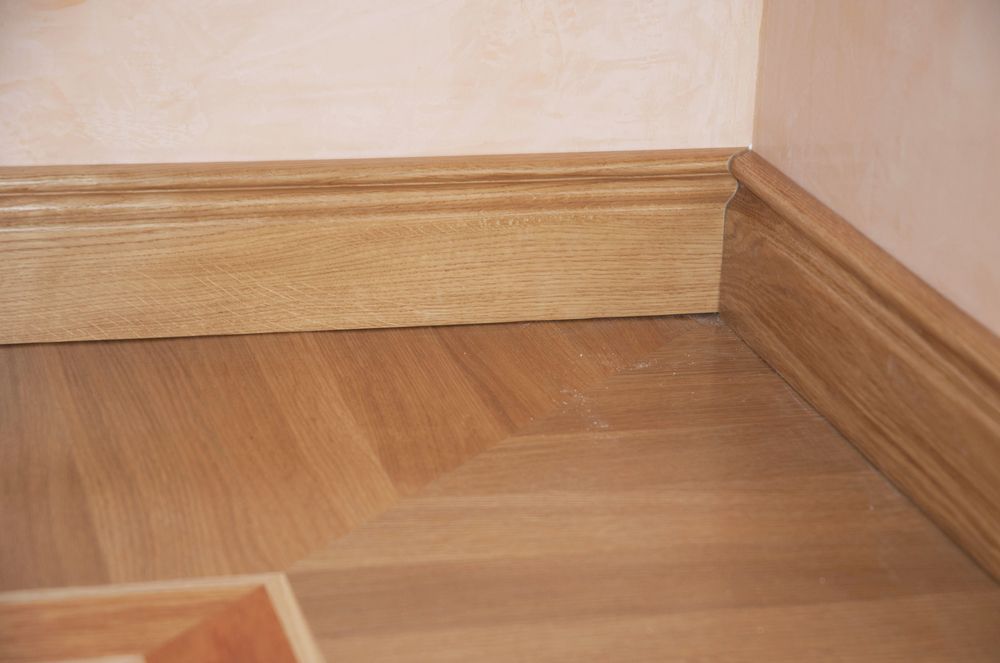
(889, 112)
(111, 81)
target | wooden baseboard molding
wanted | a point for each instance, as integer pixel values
(909, 378)
(104, 252)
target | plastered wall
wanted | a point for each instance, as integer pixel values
(889, 112)
(112, 81)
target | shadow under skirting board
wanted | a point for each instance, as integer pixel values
(138, 251)
(904, 374)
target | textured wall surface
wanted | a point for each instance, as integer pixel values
(889, 112)
(112, 81)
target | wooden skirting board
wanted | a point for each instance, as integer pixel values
(104, 252)
(909, 378)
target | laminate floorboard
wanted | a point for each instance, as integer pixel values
(692, 507)
(129, 461)
(643, 489)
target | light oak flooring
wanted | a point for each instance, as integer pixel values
(642, 489)
(133, 461)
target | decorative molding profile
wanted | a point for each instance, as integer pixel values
(105, 252)
(909, 378)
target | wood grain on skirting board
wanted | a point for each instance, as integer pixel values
(912, 380)
(106, 252)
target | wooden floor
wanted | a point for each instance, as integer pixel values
(209, 456)
(641, 489)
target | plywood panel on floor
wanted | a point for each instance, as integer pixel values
(245, 631)
(691, 508)
(38, 627)
(236, 618)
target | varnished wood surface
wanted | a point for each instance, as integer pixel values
(606, 490)
(910, 379)
(218, 620)
(245, 631)
(689, 508)
(67, 625)
(155, 251)
(142, 460)
(355, 172)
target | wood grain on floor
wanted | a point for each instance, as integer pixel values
(144, 460)
(205, 620)
(59, 625)
(692, 508)
(642, 489)
(246, 631)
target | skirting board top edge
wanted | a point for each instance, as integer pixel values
(359, 172)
